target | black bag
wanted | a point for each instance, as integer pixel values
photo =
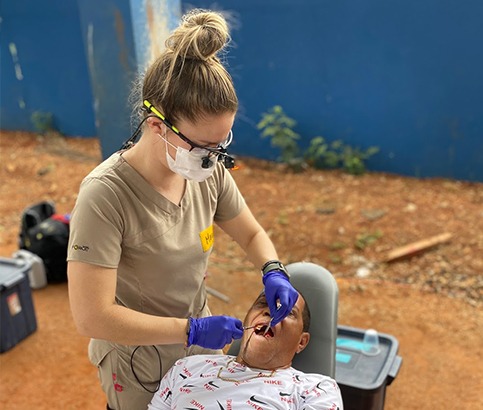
(31, 217)
(46, 234)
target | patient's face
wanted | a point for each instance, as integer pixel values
(277, 348)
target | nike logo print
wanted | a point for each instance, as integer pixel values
(320, 388)
(257, 401)
(285, 394)
(221, 407)
(212, 383)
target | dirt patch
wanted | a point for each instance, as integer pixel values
(430, 302)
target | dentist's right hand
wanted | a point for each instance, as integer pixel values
(213, 332)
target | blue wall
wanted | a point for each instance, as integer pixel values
(403, 76)
(110, 52)
(49, 71)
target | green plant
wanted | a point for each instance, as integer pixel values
(43, 122)
(365, 239)
(335, 258)
(337, 245)
(282, 218)
(320, 154)
(353, 159)
(279, 128)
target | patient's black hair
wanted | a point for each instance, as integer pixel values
(305, 314)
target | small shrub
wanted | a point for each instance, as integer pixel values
(353, 159)
(277, 126)
(321, 155)
(365, 239)
(43, 122)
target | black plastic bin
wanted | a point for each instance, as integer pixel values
(363, 378)
(17, 315)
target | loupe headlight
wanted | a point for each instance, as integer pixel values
(227, 160)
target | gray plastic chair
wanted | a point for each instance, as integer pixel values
(322, 295)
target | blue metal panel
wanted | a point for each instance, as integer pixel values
(119, 41)
(42, 66)
(403, 76)
(108, 39)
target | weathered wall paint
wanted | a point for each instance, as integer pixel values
(121, 38)
(43, 67)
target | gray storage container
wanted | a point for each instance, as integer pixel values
(17, 315)
(363, 377)
(36, 274)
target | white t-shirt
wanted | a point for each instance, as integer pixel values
(217, 382)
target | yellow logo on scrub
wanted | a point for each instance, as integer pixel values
(207, 238)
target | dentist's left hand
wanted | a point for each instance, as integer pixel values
(214, 332)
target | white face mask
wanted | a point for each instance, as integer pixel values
(188, 163)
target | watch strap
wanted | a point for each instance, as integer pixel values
(274, 265)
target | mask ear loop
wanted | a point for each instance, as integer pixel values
(167, 144)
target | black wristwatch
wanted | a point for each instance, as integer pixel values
(274, 265)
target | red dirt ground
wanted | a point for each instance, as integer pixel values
(430, 302)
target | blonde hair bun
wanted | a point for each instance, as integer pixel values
(200, 36)
(188, 80)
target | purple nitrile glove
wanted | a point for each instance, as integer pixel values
(214, 332)
(278, 288)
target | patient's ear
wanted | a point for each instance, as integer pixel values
(303, 342)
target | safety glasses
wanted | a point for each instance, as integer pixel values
(219, 152)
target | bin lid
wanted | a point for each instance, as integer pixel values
(12, 271)
(361, 371)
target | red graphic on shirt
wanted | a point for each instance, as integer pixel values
(213, 362)
(289, 400)
(277, 382)
(117, 386)
(254, 405)
(187, 372)
(198, 405)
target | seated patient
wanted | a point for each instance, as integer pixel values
(260, 377)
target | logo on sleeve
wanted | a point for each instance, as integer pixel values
(82, 248)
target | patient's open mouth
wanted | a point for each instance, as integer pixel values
(260, 330)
